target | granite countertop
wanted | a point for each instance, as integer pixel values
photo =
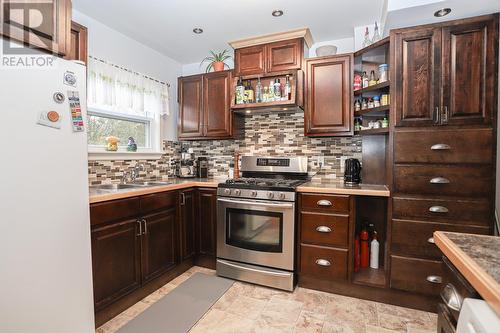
(336, 186)
(98, 195)
(477, 257)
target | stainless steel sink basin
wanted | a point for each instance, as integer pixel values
(151, 183)
(114, 186)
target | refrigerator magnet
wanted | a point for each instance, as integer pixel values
(75, 111)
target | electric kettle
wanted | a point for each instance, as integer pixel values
(352, 172)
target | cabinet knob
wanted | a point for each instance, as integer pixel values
(440, 146)
(431, 240)
(434, 279)
(438, 209)
(324, 229)
(325, 203)
(323, 262)
(439, 180)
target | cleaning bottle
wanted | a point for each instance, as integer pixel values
(374, 249)
(356, 254)
(365, 251)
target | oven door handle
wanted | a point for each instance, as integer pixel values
(251, 269)
(255, 203)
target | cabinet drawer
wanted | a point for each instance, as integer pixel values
(414, 238)
(324, 229)
(444, 146)
(458, 211)
(461, 181)
(415, 275)
(115, 210)
(325, 203)
(323, 262)
(152, 202)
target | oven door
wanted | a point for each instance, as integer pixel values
(256, 232)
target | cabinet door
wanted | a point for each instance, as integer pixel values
(187, 223)
(190, 120)
(469, 64)
(328, 105)
(416, 76)
(207, 222)
(116, 268)
(158, 243)
(216, 104)
(249, 60)
(52, 34)
(285, 55)
(78, 45)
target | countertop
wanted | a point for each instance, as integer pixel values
(176, 184)
(337, 187)
(477, 257)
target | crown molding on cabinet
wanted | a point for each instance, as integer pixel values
(275, 37)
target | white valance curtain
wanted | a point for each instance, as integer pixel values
(111, 88)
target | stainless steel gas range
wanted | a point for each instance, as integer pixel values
(256, 221)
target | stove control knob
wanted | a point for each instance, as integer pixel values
(253, 193)
(282, 195)
(237, 192)
(227, 191)
(270, 195)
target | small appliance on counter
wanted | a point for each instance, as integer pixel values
(202, 167)
(187, 165)
(352, 172)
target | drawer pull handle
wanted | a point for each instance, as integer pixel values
(451, 297)
(440, 146)
(431, 240)
(324, 228)
(323, 262)
(325, 203)
(435, 279)
(439, 180)
(438, 209)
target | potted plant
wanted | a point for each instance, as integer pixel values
(217, 61)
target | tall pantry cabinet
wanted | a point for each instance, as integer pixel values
(443, 116)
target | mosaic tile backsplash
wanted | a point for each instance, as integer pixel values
(274, 134)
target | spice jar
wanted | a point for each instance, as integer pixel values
(376, 101)
(383, 71)
(384, 99)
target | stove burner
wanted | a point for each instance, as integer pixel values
(265, 182)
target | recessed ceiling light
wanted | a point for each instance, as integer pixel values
(442, 12)
(248, 111)
(198, 31)
(277, 13)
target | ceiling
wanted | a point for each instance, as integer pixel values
(166, 25)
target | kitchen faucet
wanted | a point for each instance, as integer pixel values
(135, 171)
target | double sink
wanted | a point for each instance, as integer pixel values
(115, 187)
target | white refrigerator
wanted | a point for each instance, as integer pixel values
(45, 254)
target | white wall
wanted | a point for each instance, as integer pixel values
(195, 68)
(113, 46)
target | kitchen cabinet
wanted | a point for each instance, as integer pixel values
(206, 225)
(328, 110)
(78, 43)
(52, 35)
(187, 223)
(269, 58)
(443, 73)
(204, 106)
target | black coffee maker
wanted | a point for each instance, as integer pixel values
(352, 172)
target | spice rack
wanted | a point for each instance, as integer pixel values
(367, 60)
(295, 103)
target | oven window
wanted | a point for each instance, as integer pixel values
(254, 230)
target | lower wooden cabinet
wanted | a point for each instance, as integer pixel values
(116, 261)
(323, 262)
(416, 275)
(206, 227)
(187, 223)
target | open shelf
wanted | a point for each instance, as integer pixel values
(378, 109)
(373, 131)
(372, 47)
(375, 87)
(370, 277)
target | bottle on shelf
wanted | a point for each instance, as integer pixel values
(249, 93)
(385, 122)
(258, 91)
(373, 80)
(240, 92)
(374, 251)
(277, 90)
(367, 41)
(271, 91)
(365, 250)
(376, 34)
(288, 89)
(365, 80)
(265, 95)
(357, 105)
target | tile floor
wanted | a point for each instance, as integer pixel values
(246, 308)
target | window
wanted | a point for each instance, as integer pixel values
(124, 104)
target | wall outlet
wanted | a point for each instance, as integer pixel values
(320, 161)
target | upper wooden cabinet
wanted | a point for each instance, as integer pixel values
(78, 46)
(443, 74)
(204, 106)
(269, 58)
(328, 110)
(52, 35)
